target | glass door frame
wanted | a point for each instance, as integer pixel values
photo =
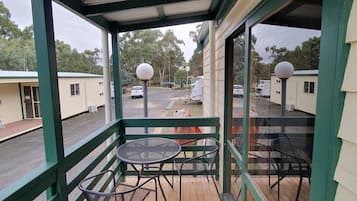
(326, 143)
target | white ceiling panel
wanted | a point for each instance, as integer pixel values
(187, 7)
(133, 14)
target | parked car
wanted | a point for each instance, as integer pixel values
(238, 90)
(137, 91)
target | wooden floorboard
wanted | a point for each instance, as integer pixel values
(193, 189)
(199, 189)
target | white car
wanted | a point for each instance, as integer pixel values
(137, 91)
(238, 90)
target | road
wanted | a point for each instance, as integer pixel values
(20, 155)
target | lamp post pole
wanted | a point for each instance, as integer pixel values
(283, 70)
(187, 69)
(145, 72)
(283, 96)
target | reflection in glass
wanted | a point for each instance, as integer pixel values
(236, 180)
(238, 90)
(280, 145)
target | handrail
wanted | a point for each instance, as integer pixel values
(170, 122)
(279, 120)
(32, 185)
(37, 181)
(88, 144)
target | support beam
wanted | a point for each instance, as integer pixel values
(49, 95)
(124, 5)
(212, 43)
(116, 74)
(106, 73)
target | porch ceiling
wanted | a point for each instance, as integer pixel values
(128, 15)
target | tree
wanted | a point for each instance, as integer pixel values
(8, 29)
(180, 77)
(304, 56)
(162, 51)
(196, 60)
(172, 55)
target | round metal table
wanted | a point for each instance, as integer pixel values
(146, 151)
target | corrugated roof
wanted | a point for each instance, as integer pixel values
(306, 72)
(33, 74)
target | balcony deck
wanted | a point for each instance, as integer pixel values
(198, 189)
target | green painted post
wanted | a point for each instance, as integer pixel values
(116, 73)
(330, 99)
(48, 86)
(117, 88)
(228, 88)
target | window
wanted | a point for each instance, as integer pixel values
(306, 87)
(312, 87)
(75, 89)
(309, 87)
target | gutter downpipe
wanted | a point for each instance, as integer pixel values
(106, 83)
(106, 74)
(212, 41)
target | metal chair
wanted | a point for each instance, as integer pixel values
(116, 190)
(289, 160)
(201, 162)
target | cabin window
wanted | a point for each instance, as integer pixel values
(309, 87)
(306, 87)
(312, 87)
(75, 89)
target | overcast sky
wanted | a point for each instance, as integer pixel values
(82, 35)
(79, 33)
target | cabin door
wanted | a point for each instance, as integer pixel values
(32, 101)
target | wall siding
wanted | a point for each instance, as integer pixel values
(10, 106)
(346, 170)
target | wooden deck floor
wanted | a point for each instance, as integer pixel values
(193, 189)
(198, 189)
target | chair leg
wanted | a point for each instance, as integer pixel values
(180, 187)
(215, 185)
(278, 189)
(299, 188)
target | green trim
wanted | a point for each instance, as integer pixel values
(254, 189)
(49, 95)
(32, 185)
(333, 59)
(236, 155)
(116, 74)
(228, 102)
(124, 5)
(85, 146)
(170, 122)
(75, 6)
(223, 9)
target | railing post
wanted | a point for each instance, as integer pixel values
(117, 86)
(49, 95)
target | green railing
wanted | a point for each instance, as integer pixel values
(45, 176)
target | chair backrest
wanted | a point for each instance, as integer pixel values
(116, 191)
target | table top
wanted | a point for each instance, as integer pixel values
(148, 151)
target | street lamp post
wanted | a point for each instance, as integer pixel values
(144, 72)
(187, 69)
(283, 70)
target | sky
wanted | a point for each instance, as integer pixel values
(82, 35)
(79, 33)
